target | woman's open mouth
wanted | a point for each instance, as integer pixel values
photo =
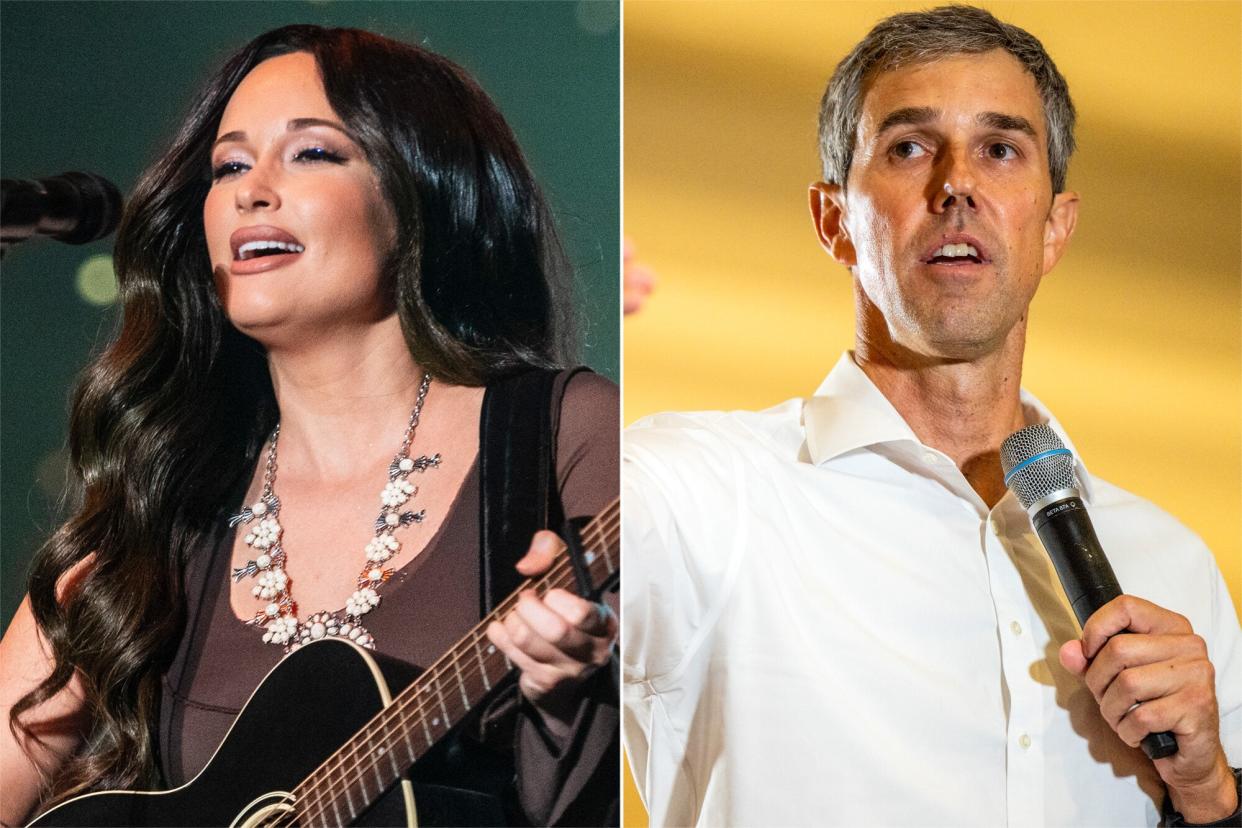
(262, 248)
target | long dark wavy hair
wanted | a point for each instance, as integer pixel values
(172, 415)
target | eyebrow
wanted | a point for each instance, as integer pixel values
(1006, 123)
(918, 115)
(293, 126)
(910, 115)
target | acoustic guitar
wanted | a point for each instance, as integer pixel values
(323, 739)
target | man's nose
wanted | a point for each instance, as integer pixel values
(954, 185)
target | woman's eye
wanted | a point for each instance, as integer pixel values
(1001, 152)
(907, 149)
(310, 154)
(226, 169)
(317, 154)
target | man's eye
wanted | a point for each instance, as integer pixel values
(226, 169)
(1001, 152)
(907, 149)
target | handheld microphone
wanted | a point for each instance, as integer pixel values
(1039, 470)
(75, 208)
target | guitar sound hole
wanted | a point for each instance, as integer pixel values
(268, 811)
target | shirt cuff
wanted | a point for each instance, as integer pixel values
(1172, 819)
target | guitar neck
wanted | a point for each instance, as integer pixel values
(372, 761)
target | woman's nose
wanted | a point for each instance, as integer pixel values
(257, 190)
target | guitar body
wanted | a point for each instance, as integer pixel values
(311, 703)
(324, 721)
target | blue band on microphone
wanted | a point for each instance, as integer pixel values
(1028, 461)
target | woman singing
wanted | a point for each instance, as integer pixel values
(342, 337)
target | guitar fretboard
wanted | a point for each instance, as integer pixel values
(354, 777)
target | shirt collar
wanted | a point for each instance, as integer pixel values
(848, 412)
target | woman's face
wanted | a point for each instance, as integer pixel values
(297, 227)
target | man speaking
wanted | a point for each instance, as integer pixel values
(834, 611)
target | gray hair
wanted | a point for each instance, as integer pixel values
(921, 37)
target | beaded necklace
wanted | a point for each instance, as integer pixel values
(279, 617)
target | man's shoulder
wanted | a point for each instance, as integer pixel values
(1136, 532)
(1117, 502)
(691, 436)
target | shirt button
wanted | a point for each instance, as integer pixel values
(995, 524)
(1015, 627)
(1024, 741)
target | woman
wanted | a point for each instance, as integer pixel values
(342, 259)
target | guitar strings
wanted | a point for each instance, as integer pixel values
(364, 740)
(435, 673)
(318, 797)
(349, 778)
(316, 803)
(403, 711)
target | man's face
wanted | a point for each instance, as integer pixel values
(975, 122)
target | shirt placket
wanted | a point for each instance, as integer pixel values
(1024, 741)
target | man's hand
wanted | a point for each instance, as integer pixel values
(556, 642)
(638, 280)
(1157, 677)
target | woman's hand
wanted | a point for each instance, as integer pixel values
(556, 641)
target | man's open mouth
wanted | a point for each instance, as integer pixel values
(955, 254)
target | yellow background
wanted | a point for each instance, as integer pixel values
(1135, 337)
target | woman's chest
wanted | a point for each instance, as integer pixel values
(317, 544)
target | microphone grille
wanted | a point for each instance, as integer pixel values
(1036, 464)
(96, 207)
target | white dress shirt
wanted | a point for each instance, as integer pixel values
(823, 624)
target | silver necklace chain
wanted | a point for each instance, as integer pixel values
(279, 616)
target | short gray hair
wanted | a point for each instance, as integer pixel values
(921, 37)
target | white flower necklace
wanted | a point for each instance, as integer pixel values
(279, 616)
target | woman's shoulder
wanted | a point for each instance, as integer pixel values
(583, 390)
(588, 441)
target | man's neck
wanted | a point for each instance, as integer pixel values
(962, 407)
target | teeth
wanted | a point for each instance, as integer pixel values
(245, 251)
(956, 250)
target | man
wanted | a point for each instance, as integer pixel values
(834, 612)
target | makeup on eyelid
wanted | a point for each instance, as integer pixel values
(298, 193)
(219, 170)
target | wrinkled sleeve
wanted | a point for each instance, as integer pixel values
(574, 781)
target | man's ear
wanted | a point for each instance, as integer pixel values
(1059, 227)
(827, 203)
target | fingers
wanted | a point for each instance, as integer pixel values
(1150, 673)
(1146, 684)
(592, 618)
(1129, 614)
(1184, 713)
(1125, 652)
(499, 635)
(1072, 657)
(544, 547)
(544, 633)
(555, 640)
(637, 280)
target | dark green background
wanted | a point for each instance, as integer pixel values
(101, 87)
